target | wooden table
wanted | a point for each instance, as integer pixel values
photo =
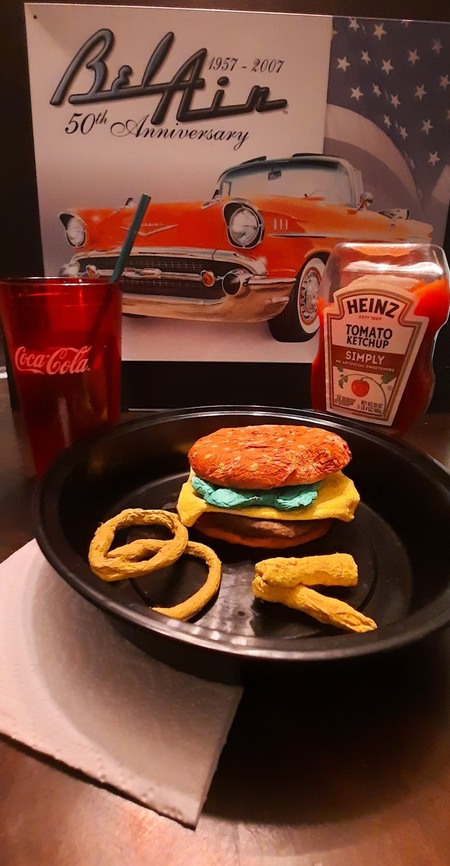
(348, 766)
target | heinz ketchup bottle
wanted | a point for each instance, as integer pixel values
(381, 309)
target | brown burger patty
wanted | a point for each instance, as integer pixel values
(268, 455)
(254, 532)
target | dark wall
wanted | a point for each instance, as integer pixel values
(166, 384)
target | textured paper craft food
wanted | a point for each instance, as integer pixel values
(72, 688)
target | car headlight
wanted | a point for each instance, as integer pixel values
(76, 231)
(244, 226)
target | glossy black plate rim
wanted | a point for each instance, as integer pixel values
(72, 568)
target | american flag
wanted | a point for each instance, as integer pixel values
(396, 75)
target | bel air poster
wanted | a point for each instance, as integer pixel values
(262, 139)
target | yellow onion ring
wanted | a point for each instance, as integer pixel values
(192, 605)
(121, 563)
(127, 561)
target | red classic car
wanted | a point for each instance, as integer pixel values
(255, 251)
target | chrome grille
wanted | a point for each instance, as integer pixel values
(166, 286)
(172, 288)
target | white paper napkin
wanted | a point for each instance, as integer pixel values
(73, 688)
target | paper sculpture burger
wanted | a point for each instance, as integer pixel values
(268, 485)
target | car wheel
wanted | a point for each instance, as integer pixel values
(299, 320)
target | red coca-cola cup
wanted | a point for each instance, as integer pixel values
(63, 336)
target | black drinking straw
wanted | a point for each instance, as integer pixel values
(129, 240)
(125, 252)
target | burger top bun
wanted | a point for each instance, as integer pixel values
(268, 455)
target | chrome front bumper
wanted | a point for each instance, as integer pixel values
(182, 282)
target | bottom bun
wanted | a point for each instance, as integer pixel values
(273, 534)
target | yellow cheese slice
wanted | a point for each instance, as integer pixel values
(337, 497)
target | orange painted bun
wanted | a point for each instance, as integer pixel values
(268, 455)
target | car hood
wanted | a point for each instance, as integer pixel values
(202, 223)
(165, 224)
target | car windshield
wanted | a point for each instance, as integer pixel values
(295, 180)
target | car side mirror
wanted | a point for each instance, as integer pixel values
(365, 200)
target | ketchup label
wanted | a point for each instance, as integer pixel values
(372, 337)
(64, 359)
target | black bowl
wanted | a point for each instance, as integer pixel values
(400, 538)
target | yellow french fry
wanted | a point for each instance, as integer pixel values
(327, 570)
(331, 611)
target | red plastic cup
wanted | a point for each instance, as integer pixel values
(64, 340)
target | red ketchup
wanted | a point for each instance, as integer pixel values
(378, 331)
